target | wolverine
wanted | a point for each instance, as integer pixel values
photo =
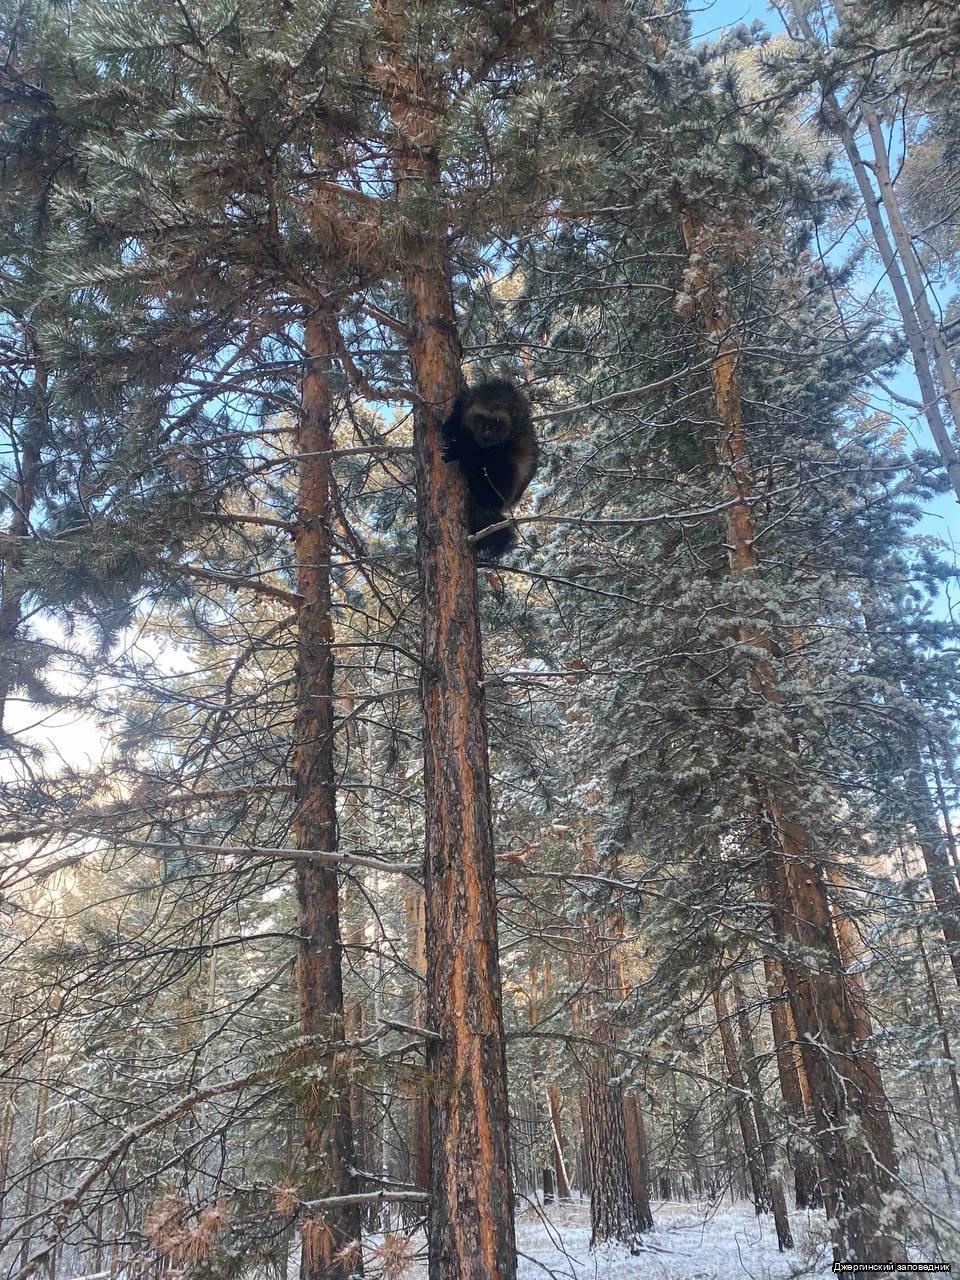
(490, 436)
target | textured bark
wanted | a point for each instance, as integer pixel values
(638, 1164)
(806, 1181)
(878, 1115)
(845, 1086)
(470, 1217)
(328, 1251)
(419, 1095)
(760, 1189)
(751, 1071)
(613, 1209)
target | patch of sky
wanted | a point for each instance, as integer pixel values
(941, 518)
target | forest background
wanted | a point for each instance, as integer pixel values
(357, 891)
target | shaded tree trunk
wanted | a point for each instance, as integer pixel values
(331, 1245)
(778, 1201)
(805, 1177)
(760, 1189)
(24, 495)
(613, 1207)
(936, 859)
(419, 1093)
(844, 1087)
(637, 1162)
(559, 1163)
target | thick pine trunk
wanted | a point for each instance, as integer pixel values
(470, 1217)
(331, 1243)
(846, 1089)
(613, 1208)
(471, 1210)
(614, 1212)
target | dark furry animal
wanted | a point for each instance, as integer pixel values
(490, 436)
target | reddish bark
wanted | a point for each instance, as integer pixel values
(470, 1217)
(327, 1124)
(846, 1089)
(638, 1166)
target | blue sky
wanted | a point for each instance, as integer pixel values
(942, 517)
(709, 15)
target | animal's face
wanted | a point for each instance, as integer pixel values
(490, 425)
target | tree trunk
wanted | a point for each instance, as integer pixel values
(805, 1179)
(419, 1094)
(613, 1208)
(936, 859)
(331, 1245)
(751, 1070)
(929, 328)
(844, 1087)
(637, 1163)
(878, 1115)
(760, 1189)
(559, 1163)
(470, 1217)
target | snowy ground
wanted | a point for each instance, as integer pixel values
(690, 1242)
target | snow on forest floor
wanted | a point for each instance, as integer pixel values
(690, 1242)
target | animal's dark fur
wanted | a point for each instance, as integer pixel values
(490, 436)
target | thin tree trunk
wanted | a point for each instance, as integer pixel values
(936, 859)
(945, 814)
(760, 1189)
(844, 1089)
(419, 1094)
(751, 1070)
(470, 1216)
(805, 1180)
(559, 1163)
(331, 1245)
(903, 241)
